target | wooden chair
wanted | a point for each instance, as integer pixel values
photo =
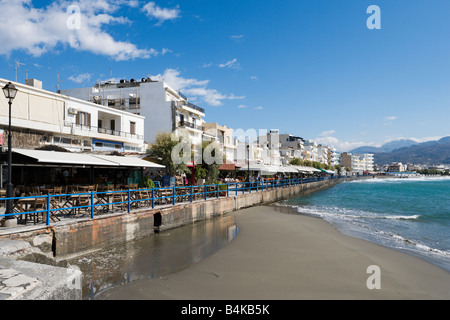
(38, 205)
(117, 198)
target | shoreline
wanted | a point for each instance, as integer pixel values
(284, 256)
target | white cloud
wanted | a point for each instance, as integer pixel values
(258, 108)
(327, 133)
(194, 89)
(232, 64)
(254, 77)
(40, 30)
(390, 118)
(341, 146)
(242, 106)
(81, 78)
(161, 14)
(237, 38)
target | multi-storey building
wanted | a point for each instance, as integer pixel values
(41, 119)
(358, 163)
(270, 144)
(225, 138)
(164, 108)
(291, 147)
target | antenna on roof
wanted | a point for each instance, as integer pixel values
(18, 64)
(57, 83)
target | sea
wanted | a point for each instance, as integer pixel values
(408, 214)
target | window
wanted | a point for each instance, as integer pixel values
(132, 127)
(113, 125)
(83, 119)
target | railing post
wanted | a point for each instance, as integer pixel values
(48, 210)
(257, 185)
(192, 192)
(173, 195)
(205, 191)
(129, 201)
(217, 190)
(153, 198)
(227, 189)
(92, 204)
(236, 187)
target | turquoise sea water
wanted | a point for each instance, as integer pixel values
(411, 214)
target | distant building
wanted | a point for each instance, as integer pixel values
(396, 167)
(358, 163)
(225, 138)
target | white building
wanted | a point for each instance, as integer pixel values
(226, 139)
(41, 117)
(291, 147)
(358, 163)
(164, 108)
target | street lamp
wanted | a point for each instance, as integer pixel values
(248, 162)
(10, 92)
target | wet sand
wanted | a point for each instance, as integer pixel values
(282, 256)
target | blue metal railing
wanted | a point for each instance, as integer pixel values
(98, 202)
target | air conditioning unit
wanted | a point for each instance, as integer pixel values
(72, 111)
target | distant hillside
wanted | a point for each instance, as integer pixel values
(387, 147)
(431, 152)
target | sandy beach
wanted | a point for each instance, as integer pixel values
(283, 256)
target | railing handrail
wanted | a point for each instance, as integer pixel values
(243, 186)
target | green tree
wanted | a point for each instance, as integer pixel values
(161, 152)
(296, 162)
(211, 162)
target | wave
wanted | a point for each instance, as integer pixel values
(345, 213)
(358, 223)
(401, 180)
(419, 246)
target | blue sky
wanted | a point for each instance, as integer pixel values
(308, 68)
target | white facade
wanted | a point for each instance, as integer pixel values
(71, 123)
(224, 136)
(164, 108)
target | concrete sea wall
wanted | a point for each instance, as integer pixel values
(70, 238)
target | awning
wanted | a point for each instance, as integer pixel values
(74, 158)
(307, 169)
(69, 158)
(228, 167)
(264, 169)
(129, 161)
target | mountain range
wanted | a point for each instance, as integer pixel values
(408, 151)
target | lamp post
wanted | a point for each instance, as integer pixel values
(248, 162)
(10, 92)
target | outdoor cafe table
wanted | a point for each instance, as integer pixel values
(25, 205)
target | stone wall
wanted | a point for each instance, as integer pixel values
(82, 235)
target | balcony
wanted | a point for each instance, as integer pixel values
(191, 125)
(117, 133)
(180, 104)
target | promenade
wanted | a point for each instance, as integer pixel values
(52, 244)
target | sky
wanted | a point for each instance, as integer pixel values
(335, 71)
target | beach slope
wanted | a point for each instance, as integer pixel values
(278, 255)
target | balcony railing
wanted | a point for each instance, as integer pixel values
(187, 124)
(187, 104)
(117, 133)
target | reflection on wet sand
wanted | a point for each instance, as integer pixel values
(153, 256)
